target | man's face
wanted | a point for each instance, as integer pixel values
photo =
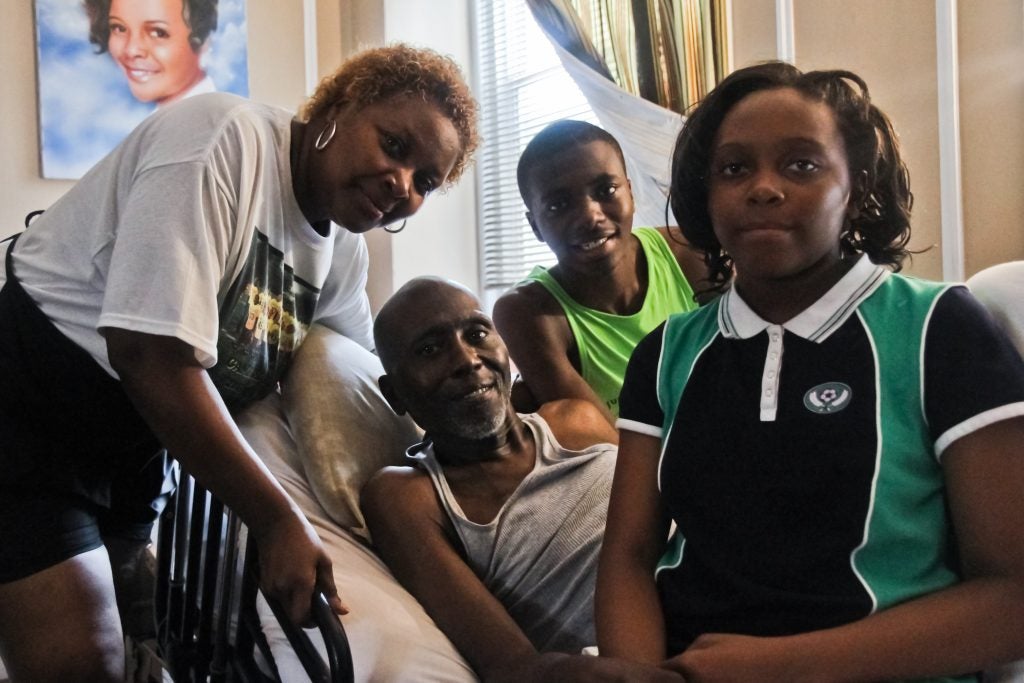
(449, 368)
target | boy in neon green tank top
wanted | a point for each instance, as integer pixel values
(570, 329)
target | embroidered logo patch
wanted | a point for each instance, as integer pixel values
(830, 397)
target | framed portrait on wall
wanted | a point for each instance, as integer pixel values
(102, 66)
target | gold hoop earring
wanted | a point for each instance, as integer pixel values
(388, 228)
(326, 135)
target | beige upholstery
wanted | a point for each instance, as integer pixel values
(343, 428)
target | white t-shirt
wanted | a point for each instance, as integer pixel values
(190, 229)
(201, 88)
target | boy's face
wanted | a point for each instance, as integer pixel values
(580, 204)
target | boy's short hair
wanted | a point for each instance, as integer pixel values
(554, 139)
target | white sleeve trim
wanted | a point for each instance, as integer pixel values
(638, 427)
(205, 352)
(975, 423)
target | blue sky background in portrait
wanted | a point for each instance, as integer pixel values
(85, 106)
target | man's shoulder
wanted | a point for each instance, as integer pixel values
(399, 489)
(399, 476)
(577, 424)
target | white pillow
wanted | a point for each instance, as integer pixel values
(1000, 287)
(343, 428)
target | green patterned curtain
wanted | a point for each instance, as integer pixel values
(670, 52)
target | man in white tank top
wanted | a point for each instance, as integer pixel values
(496, 523)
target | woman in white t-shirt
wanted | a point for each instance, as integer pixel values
(127, 328)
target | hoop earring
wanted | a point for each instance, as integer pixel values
(326, 135)
(400, 228)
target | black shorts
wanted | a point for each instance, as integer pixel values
(77, 462)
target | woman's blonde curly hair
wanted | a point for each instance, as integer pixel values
(379, 73)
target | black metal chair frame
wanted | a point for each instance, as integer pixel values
(207, 583)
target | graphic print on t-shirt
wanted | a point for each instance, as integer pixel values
(263, 319)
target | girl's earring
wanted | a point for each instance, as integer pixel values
(847, 239)
(395, 231)
(326, 135)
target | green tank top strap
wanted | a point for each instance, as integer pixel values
(605, 341)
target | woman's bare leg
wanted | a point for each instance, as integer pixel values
(61, 624)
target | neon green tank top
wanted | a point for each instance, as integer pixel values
(605, 341)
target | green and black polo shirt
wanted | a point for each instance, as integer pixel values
(801, 462)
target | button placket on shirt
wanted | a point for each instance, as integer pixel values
(770, 376)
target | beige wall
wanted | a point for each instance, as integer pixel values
(892, 45)
(992, 125)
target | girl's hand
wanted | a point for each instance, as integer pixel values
(729, 658)
(559, 668)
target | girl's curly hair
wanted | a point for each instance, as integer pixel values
(880, 227)
(380, 73)
(200, 16)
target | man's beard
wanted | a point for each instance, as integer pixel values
(473, 424)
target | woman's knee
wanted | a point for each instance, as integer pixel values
(61, 624)
(97, 660)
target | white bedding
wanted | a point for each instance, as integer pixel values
(391, 636)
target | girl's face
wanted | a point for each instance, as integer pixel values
(383, 161)
(779, 187)
(149, 41)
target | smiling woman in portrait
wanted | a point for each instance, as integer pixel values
(157, 44)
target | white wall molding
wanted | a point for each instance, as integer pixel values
(951, 191)
(785, 42)
(730, 46)
(310, 53)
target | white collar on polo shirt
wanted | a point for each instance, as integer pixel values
(738, 321)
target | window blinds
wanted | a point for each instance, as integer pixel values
(522, 87)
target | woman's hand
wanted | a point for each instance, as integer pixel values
(728, 658)
(292, 562)
(176, 397)
(561, 668)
